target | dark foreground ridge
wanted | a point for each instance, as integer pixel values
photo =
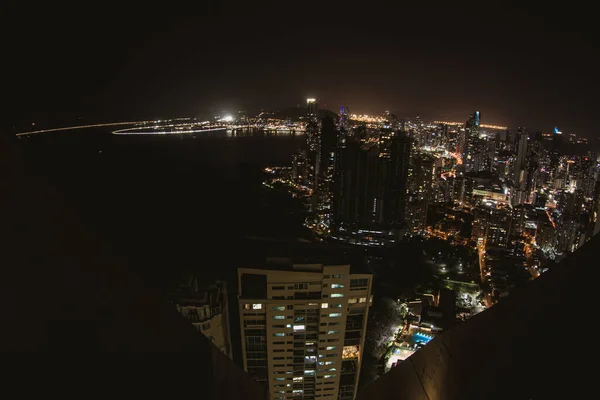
(82, 317)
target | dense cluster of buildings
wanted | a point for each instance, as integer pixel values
(514, 201)
(515, 196)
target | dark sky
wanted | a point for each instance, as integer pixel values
(535, 67)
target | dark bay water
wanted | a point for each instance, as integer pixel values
(171, 206)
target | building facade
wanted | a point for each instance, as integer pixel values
(303, 328)
(370, 185)
(206, 309)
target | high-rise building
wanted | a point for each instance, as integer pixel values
(421, 178)
(328, 145)
(344, 122)
(303, 328)
(545, 236)
(313, 141)
(416, 217)
(520, 174)
(594, 218)
(420, 182)
(370, 190)
(312, 109)
(300, 168)
(206, 309)
(498, 228)
(471, 137)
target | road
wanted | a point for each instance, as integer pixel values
(481, 256)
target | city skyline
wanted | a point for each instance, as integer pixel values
(302, 201)
(520, 67)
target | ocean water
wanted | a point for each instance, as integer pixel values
(170, 206)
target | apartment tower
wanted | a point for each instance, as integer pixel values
(303, 328)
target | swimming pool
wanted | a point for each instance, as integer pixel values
(421, 338)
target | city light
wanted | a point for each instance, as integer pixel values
(69, 128)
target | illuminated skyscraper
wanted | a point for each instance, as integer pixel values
(344, 118)
(312, 109)
(594, 218)
(471, 135)
(313, 140)
(328, 137)
(521, 160)
(520, 195)
(420, 181)
(303, 328)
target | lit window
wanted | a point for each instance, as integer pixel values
(329, 376)
(362, 300)
(333, 315)
(288, 325)
(313, 304)
(257, 306)
(329, 362)
(310, 372)
(333, 332)
(298, 379)
(331, 347)
(299, 328)
(280, 379)
(349, 352)
(279, 334)
(352, 300)
(336, 306)
(246, 306)
(298, 392)
(279, 308)
(337, 295)
(331, 369)
(324, 305)
(279, 317)
(336, 285)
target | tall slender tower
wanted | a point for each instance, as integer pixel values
(313, 138)
(594, 219)
(471, 135)
(520, 168)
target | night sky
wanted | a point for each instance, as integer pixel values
(533, 67)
